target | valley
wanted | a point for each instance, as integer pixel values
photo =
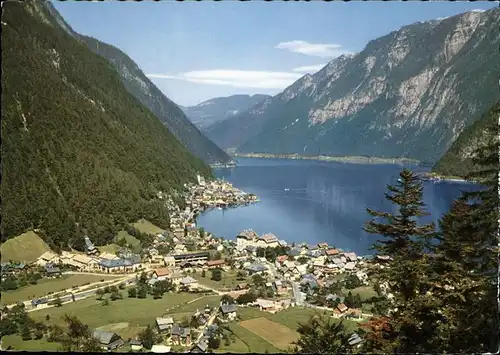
(167, 188)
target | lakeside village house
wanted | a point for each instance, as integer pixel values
(249, 238)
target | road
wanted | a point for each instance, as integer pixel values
(82, 295)
(275, 272)
(297, 294)
(209, 323)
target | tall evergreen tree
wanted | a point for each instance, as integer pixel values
(468, 259)
(413, 311)
(78, 337)
(147, 337)
(321, 335)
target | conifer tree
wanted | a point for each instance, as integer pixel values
(321, 335)
(468, 260)
(412, 311)
(147, 337)
(78, 337)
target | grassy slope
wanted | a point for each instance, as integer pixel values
(145, 226)
(26, 248)
(136, 312)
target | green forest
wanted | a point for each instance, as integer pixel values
(453, 163)
(79, 153)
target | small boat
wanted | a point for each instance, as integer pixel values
(287, 189)
(219, 208)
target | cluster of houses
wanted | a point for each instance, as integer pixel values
(193, 336)
(216, 193)
(95, 262)
(249, 240)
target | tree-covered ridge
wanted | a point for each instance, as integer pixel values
(458, 159)
(76, 146)
(139, 85)
(151, 97)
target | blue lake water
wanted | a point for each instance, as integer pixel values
(313, 201)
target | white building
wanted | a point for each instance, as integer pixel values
(246, 238)
(268, 240)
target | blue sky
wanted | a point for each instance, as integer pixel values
(194, 51)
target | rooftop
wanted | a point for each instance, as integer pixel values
(162, 272)
(228, 308)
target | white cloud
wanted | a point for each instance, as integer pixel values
(235, 78)
(324, 50)
(309, 68)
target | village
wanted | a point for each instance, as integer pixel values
(252, 271)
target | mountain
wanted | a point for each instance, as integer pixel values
(457, 160)
(139, 85)
(219, 109)
(242, 127)
(79, 152)
(407, 94)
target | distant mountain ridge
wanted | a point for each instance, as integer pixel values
(220, 109)
(139, 85)
(406, 94)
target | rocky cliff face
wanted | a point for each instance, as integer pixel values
(136, 82)
(409, 93)
(220, 109)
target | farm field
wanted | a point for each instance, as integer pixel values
(17, 343)
(127, 316)
(277, 334)
(238, 346)
(365, 292)
(44, 286)
(286, 322)
(253, 342)
(24, 248)
(228, 281)
(130, 239)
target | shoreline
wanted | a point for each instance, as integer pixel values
(435, 177)
(328, 158)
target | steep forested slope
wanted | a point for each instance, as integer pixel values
(457, 160)
(139, 85)
(76, 146)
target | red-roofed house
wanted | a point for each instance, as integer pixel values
(212, 264)
(282, 258)
(162, 273)
(330, 252)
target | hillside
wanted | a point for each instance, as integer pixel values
(220, 109)
(407, 94)
(76, 146)
(457, 160)
(24, 248)
(139, 85)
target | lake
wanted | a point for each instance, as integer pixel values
(314, 201)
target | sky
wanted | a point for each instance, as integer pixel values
(195, 51)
